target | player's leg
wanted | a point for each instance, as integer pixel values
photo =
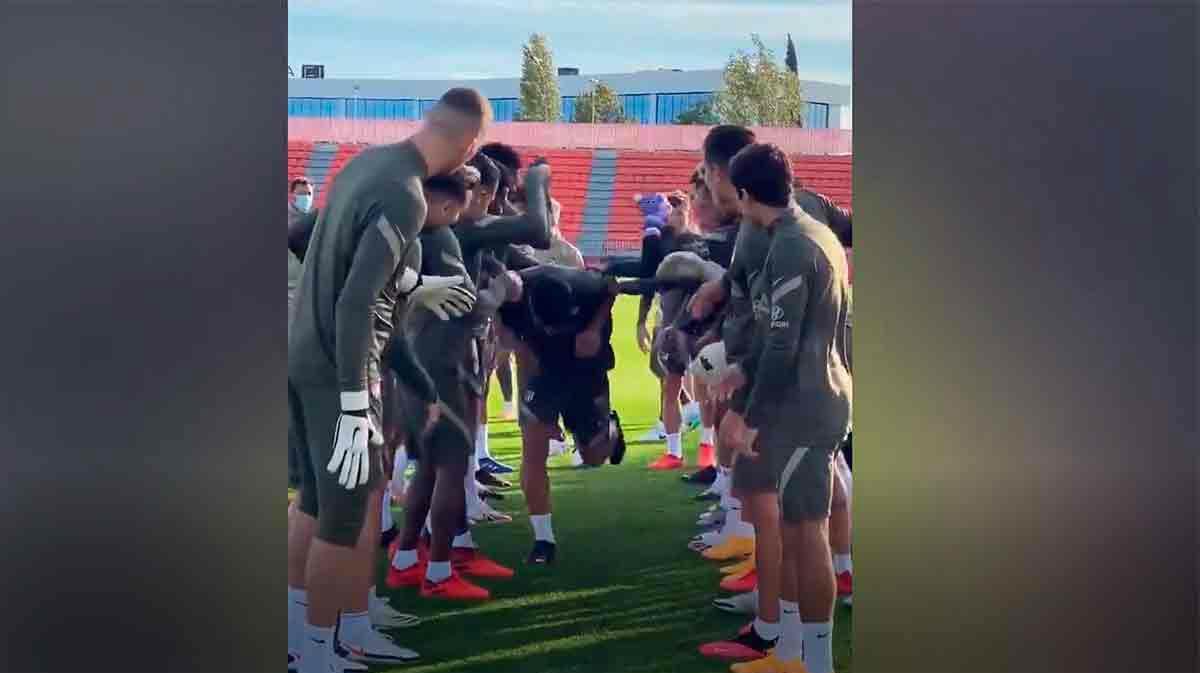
(541, 404)
(330, 574)
(672, 423)
(839, 529)
(806, 490)
(407, 566)
(706, 455)
(505, 378)
(302, 525)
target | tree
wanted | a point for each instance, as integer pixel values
(790, 60)
(702, 114)
(540, 100)
(603, 99)
(757, 91)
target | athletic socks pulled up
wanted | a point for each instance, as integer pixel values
(791, 635)
(318, 649)
(297, 613)
(353, 626)
(543, 530)
(708, 435)
(842, 564)
(675, 445)
(818, 646)
(481, 442)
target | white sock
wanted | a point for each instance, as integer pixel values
(354, 627)
(542, 528)
(437, 571)
(718, 485)
(463, 541)
(768, 630)
(674, 445)
(318, 649)
(481, 442)
(404, 559)
(841, 564)
(472, 486)
(791, 635)
(385, 512)
(818, 646)
(708, 435)
(297, 608)
(373, 597)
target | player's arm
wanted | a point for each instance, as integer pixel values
(840, 220)
(775, 368)
(531, 228)
(518, 260)
(591, 338)
(380, 249)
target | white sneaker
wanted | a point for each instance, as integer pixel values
(377, 648)
(715, 517)
(738, 604)
(334, 663)
(481, 512)
(557, 448)
(384, 616)
(706, 540)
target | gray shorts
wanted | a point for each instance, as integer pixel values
(313, 413)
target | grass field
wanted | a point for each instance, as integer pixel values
(626, 594)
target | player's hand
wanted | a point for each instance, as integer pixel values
(737, 436)
(587, 344)
(643, 337)
(512, 286)
(444, 296)
(706, 299)
(350, 460)
(733, 380)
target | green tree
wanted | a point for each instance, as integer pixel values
(758, 91)
(540, 100)
(790, 60)
(603, 100)
(702, 114)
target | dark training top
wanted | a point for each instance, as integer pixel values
(459, 250)
(800, 390)
(374, 212)
(556, 352)
(827, 212)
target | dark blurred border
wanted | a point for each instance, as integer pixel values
(1026, 336)
(143, 344)
(1025, 186)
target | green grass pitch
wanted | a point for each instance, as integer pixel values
(626, 595)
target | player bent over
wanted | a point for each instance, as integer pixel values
(561, 328)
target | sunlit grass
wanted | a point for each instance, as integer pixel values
(626, 595)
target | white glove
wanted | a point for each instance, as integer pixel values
(350, 454)
(444, 296)
(710, 365)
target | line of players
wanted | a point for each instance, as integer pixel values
(755, 307)
(413, 271)
(403, 272)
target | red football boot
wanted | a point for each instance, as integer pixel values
(666, 462)
(454, 588)
(740, 584)
(706, 455)
(472, 562)
(411, 576)
(845, 584)
(747, 646)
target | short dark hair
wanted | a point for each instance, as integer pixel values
(467, 101)
(722, 142)
(489, 172)
(550, 300)
(298, 181)
(763, 170)
(508, 160)
(451, 185)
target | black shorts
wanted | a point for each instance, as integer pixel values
(581, 399)
(453, 437)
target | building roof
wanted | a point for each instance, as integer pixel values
(648, 81)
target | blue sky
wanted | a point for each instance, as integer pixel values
(441, 39)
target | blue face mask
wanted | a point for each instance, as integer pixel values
(303, 202)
